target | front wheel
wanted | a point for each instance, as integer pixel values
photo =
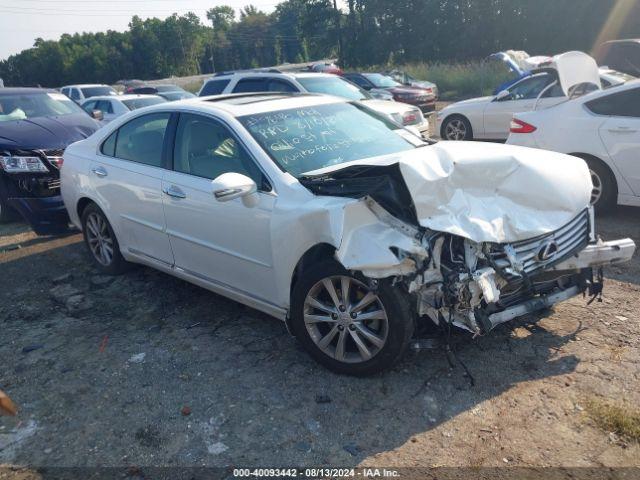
(7, 214)
(346, 325)
(456, 127)
(102, 242)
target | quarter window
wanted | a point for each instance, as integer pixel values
(141, 139)
(277, 85)
(206, 148)
(109, 145)
(622, 104)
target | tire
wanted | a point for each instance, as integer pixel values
(456, 127)
(384, 334)
(604, 196)
(101, 242)
(7, 214)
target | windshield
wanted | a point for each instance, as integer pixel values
(300, 140)
(381, 81)
(135, 103)
(333, 86)
(32, 105)
(97, 91)
(168, 88)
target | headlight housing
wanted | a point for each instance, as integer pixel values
(22, 164)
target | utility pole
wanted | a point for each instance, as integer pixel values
(338, 22)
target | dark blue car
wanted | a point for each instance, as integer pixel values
(36, 125)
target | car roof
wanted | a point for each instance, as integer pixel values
(86, 85)
(23, 90)
(126, 96)
(259, 74)
(624, 40)
(241, 104)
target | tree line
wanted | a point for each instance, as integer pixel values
(362, 33)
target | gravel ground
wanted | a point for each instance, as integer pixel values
(145, 369)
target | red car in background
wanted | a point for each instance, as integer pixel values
(325, 67)
(423, 98)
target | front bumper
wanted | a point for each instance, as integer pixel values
(582, 265)
(46, 215)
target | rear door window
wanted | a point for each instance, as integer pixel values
(622, 104)
(141, 140)
(251, 85)
(214, 87)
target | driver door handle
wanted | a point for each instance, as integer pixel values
(99, 171)
(175, 192)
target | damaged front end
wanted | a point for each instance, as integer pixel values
(475, 285)
(30, 185)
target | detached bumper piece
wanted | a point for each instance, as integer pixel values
(599, 254)
(46, 215)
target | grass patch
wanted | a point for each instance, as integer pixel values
(620, 419)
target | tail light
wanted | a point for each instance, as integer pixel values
(518, 126)
(410, 118)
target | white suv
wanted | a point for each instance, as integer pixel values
(272, 80)
(79, 93)
(321, 213)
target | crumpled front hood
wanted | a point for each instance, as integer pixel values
(495, 193)
(488, 192)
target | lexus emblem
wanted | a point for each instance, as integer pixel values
(547, 251)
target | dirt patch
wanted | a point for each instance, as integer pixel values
(102, 368)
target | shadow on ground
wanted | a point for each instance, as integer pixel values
(110, 374)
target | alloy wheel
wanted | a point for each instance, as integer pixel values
(345, 319)
(455, 130)
(596, 193)
(99, 238)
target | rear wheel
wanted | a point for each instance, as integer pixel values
(102, 242)
(346, 325)
(456, 127)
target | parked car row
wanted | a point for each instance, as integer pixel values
(566, 104)
(301, 196)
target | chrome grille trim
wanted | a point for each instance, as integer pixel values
(567, 239)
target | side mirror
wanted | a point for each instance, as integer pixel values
(503, 95)
(231, 185)
(97, 115)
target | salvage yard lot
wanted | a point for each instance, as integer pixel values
(105, 369)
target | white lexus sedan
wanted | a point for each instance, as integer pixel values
(602, 128)
(322, 213)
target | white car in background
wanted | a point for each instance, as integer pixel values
(328, 216)
(603, 128)
(79, 93)
(272, 80)
(113, 107)
(487, 118)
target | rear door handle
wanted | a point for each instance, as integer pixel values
(99, 171)
(175, 192)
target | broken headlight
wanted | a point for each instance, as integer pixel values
(13, 164)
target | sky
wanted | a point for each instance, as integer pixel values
(22, 21)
